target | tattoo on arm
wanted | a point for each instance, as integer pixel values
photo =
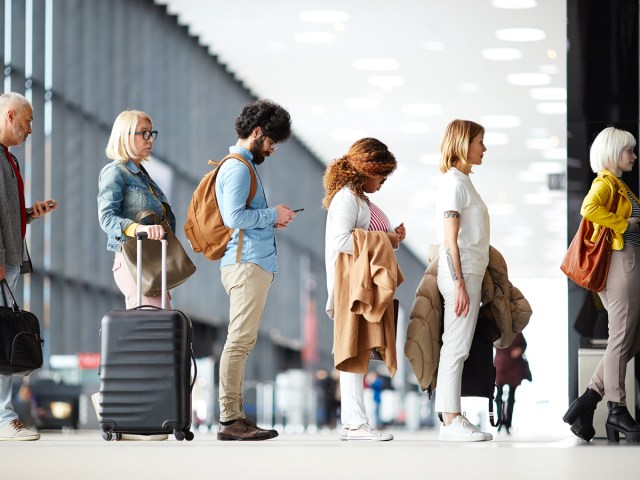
(451, 214)
(452, 267)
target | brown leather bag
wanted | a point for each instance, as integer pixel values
(587, 262)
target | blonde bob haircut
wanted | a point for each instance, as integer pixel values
(455, 143)
(121, 142)
(606, 149)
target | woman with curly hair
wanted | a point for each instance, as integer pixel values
(347, 183)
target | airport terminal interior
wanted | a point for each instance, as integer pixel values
(542, 76)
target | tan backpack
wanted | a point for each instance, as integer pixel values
(204, 228)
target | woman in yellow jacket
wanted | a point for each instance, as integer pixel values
(612, 154)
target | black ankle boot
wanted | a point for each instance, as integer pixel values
(580, 414)
(619, 420)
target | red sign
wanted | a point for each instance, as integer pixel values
(88, 360)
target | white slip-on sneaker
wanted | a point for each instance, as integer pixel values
(343, 432)
(145, 438)
(15, 430)
(368, 433)
(462, 430)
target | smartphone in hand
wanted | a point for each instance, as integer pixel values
(297, 210)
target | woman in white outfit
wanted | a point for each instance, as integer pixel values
(347, 181)
(462, 222)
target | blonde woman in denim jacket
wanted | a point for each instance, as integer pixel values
(125, 189)
(612, 154)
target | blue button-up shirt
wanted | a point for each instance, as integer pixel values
(232, 189)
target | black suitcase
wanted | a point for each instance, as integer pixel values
(145, 369)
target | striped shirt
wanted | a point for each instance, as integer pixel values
(379, 221)
(632, 238)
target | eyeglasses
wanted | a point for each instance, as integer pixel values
(147, 133)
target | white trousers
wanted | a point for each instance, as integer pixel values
(352, 411)
(456, 339)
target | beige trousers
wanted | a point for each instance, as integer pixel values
(621, 298)
(247, 285)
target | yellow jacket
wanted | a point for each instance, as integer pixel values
(597, 203)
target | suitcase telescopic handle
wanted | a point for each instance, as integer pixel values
(163, 291)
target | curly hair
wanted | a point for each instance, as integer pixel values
(366, 157)
(274, 120)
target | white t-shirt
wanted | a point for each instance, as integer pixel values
(457, 193)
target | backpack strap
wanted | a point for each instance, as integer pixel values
(253, 188)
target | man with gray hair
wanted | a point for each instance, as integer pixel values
(16, 115)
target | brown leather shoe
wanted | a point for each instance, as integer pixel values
(244, 429)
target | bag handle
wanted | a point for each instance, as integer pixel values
(253, 188)
(4, 284)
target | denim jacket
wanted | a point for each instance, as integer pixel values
(123, 191)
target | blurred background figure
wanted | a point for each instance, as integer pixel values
(375, 383)
(329, 395)
(511, 368)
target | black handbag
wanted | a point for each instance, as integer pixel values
(20, 340)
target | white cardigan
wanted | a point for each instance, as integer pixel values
(346, 213)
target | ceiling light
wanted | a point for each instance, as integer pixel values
(276, 46)
(366, 103)
(470, 87)
(528, 79)
(541, 198)
(386, 81)
(413, 128)
(348, 134)
(552, 108)
(376, 64)
(431, 159)
(528, 176)
(539, 143)
(549, 93)
(550, 69)
(501, 53)
(501, 121)
(555, 154)
(314, 37)
(422, 109)
(433, 45)
(521, 34)
(339, 27)
(552, 54)
(547, 167)
(513, 4)
(496, 138)
(323, 16)
(501, 209)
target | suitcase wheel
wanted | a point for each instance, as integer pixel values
(188, 435)
(107, 435)
(179, 435)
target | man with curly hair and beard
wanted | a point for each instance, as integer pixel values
(247, 274)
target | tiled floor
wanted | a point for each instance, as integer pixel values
(412, 455)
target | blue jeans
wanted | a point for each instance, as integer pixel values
(7, 414)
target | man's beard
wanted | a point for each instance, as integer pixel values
(20, 133)
(256, 150)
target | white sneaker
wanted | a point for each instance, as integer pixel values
(367, 432)
(343, 432)
(148, 438)
(462, 430)
(17, 431)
